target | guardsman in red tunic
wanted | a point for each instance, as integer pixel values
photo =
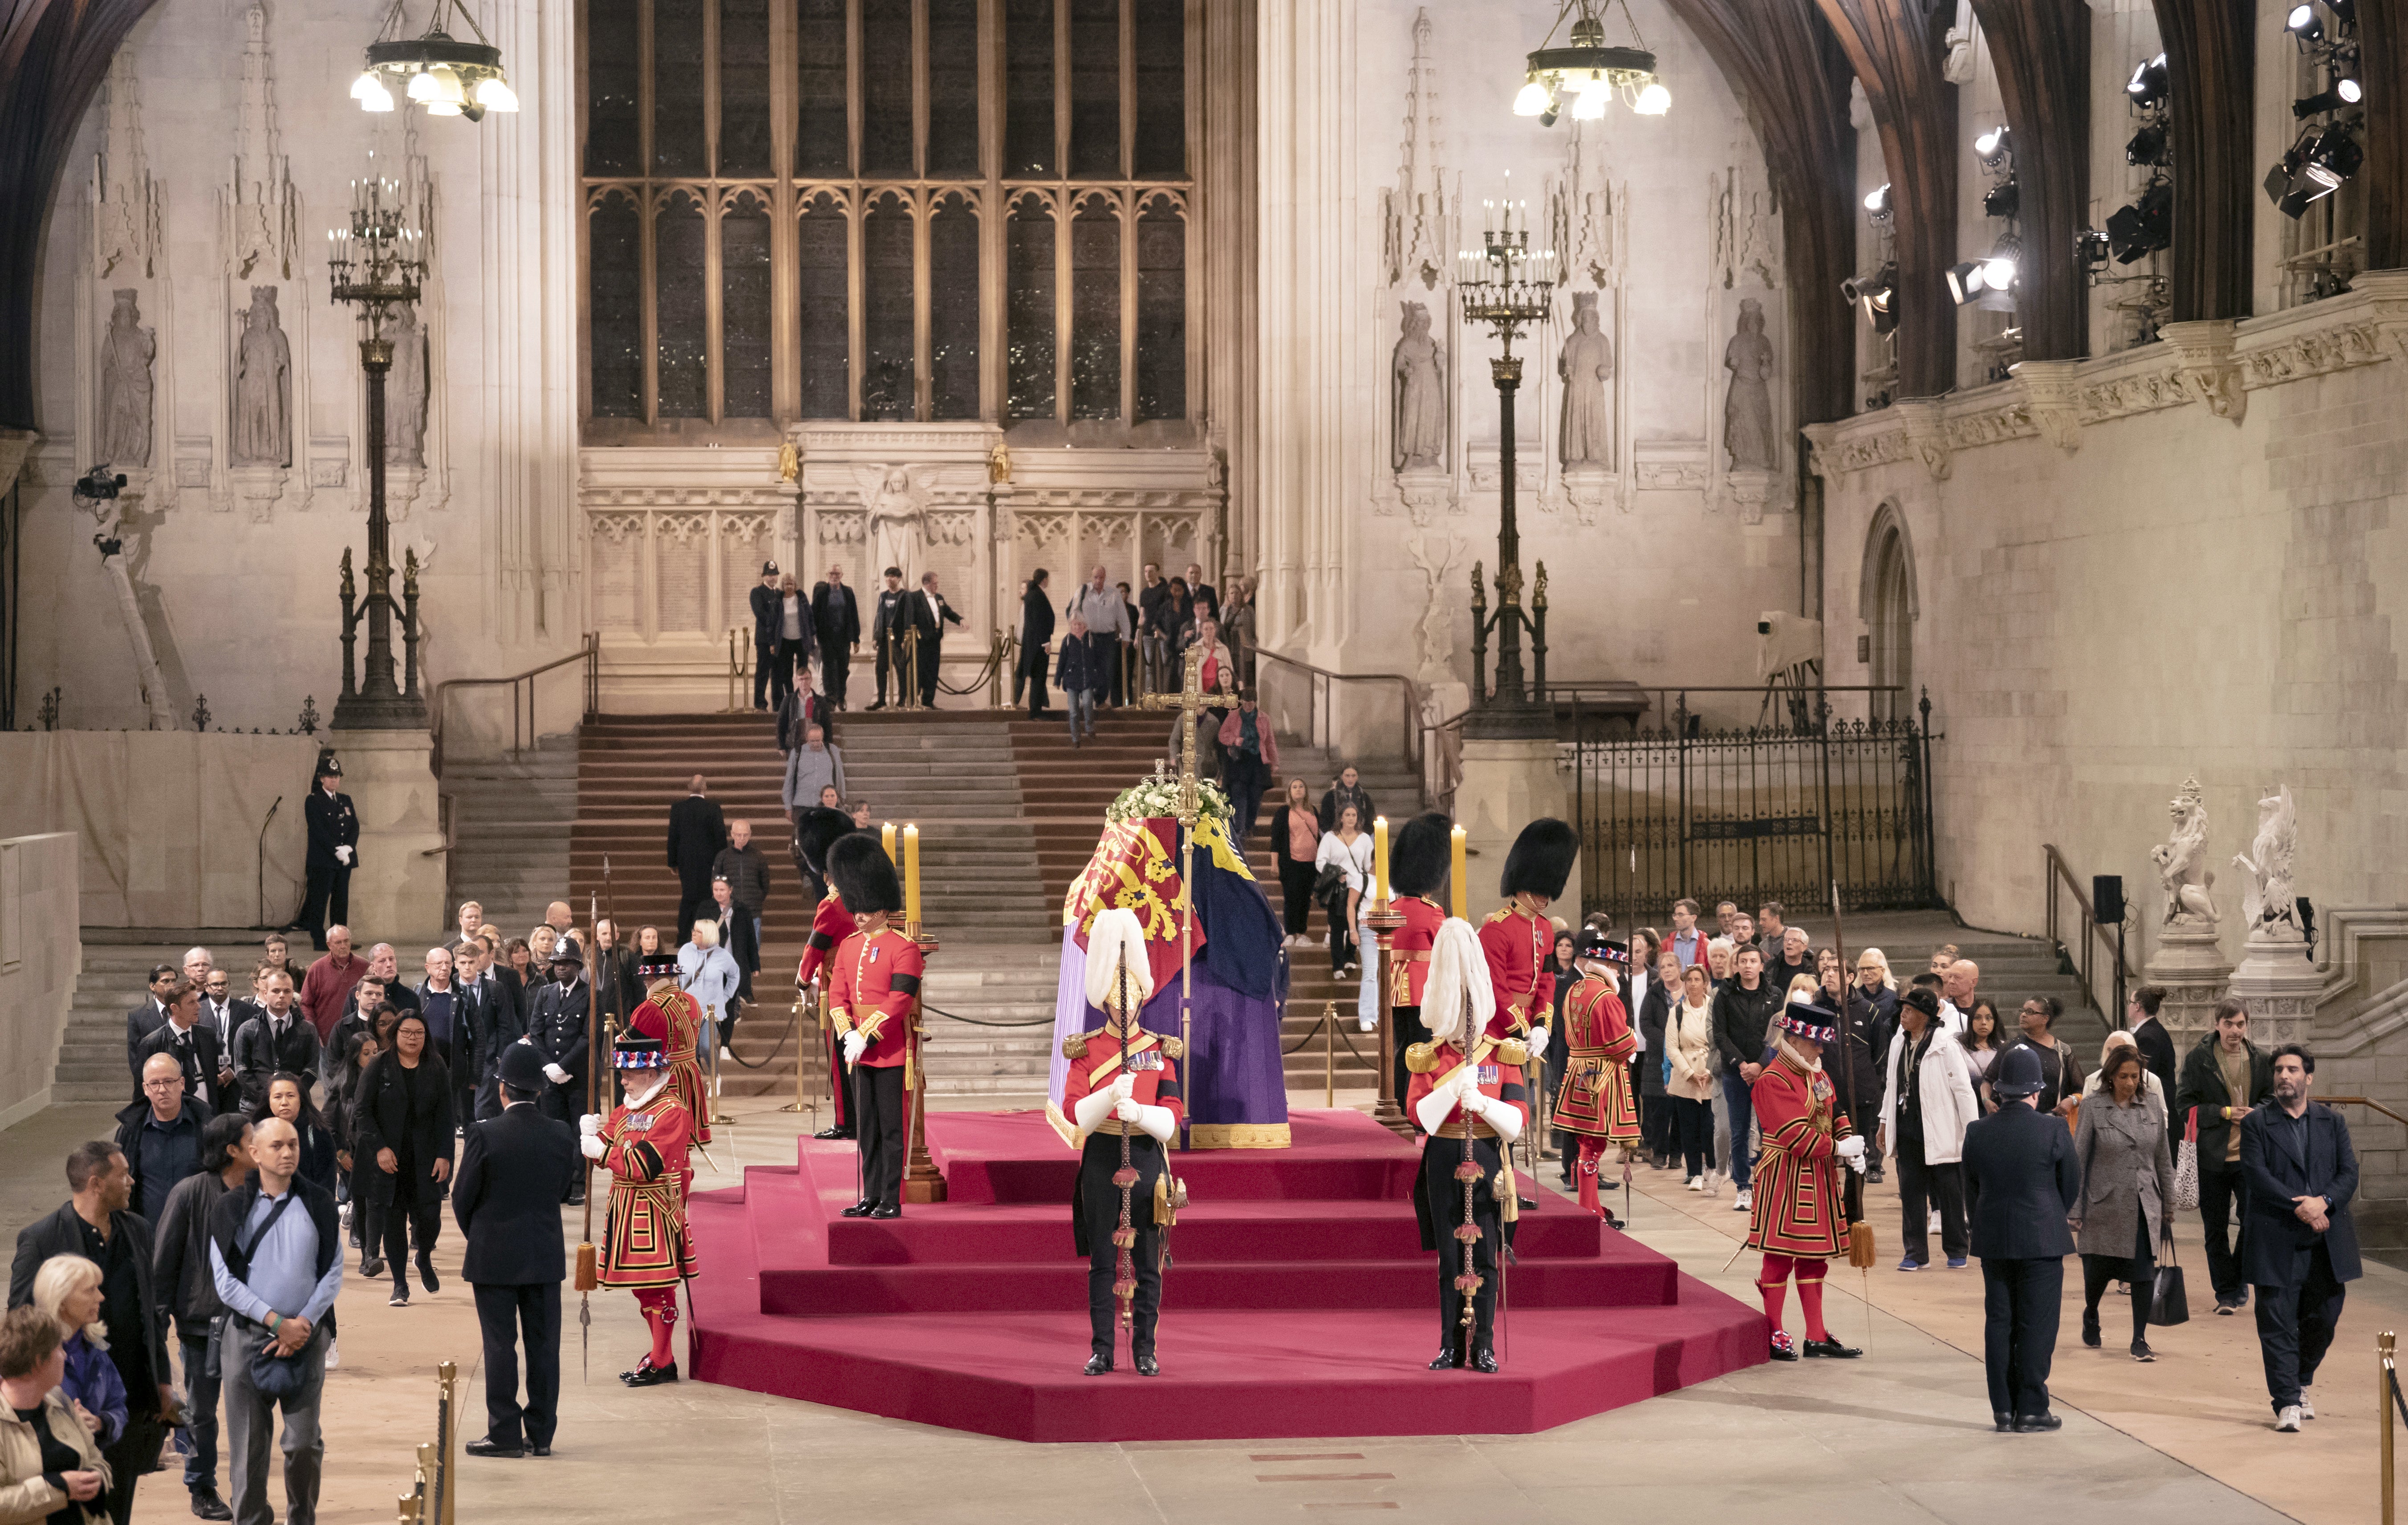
(672, 1019)
(815, 832)
(1123, 1085)
(642, 1143)
(1417, 870)
(1594, 1104)
(1468, 1095)
(1798, 1221)
(1518, 938)
(874, 990)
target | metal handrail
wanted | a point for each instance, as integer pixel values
(589, 653)
(2093, 935)
(2367, 1102)
(1320, 681)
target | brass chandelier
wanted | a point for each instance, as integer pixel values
(1589, 71)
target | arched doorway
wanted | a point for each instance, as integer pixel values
(1889, 607)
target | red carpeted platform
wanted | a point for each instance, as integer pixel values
(1300, 1302)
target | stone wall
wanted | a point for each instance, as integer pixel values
(40, 955)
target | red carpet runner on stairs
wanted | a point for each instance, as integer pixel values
(1299, 1302)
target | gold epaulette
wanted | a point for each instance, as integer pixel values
(1421, 1058)
(1501, 912)
(1075, 1045)
(1513, 1053)
(1174, 1048)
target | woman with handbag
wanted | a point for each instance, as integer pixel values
(1343, 878)
(404, 1109)
(2127, 1185)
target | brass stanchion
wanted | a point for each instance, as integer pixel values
(1330, 1053)
(1383, 919)
(738, 669)
(2386, 1349)
(718, 1040)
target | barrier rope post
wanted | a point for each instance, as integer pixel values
(2387, 1390)
(1330, 1053)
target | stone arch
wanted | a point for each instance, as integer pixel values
(1890, 602)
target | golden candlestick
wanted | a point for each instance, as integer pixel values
(1379, 856)
(886, 840)
(1459, 878)
(911, 876)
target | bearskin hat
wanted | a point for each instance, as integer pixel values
(864, 876)
(1418, 863)
(1541, 859)
(817, 831)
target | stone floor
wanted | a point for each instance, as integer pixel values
(1900, 1435)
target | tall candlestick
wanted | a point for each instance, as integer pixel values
(886, 840)
(912, 874)
(1459, 879)
(1380, 854)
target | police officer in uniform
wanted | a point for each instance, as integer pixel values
(558, 1027)
(334, 853)
(886, 634)
(513, 1170)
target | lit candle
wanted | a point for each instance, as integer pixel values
(912, 874)
(1459, 880)
(886, 840)
(1379, 856)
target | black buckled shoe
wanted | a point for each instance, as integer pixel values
(651, 1376)
(1485, 1359)
(1830, 1348)
(1784, 1348)
(1146, 1367)
(1445, 1361)
(1098, 1364)
(859, 1209)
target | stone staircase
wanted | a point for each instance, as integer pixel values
(2013, 968)
(510, 820)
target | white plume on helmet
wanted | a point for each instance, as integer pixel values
(1458, 972)
(1116, 944)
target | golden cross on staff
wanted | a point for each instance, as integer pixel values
(1191, 701)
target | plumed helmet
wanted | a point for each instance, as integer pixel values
(863, 874)
(1424, 852)
(1116, 951)
(1541, 859)
(1459, 979)
(817, 832)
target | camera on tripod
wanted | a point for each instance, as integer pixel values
(99, 484)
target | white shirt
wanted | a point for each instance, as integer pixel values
(1951, 1020)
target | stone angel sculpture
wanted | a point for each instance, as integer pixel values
(2267, 901)
(896, 499)
(2182, 861)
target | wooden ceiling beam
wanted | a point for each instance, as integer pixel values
(2041, 49)
(2211, 65)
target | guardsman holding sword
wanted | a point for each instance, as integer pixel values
(872, 992)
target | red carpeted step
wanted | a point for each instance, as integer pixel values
(1003, 1157)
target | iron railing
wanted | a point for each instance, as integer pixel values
(2090, 939)
(1756, 814)
(523, 695)
(1321, 686)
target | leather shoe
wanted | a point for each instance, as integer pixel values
(2003, 1420)
(1445, 1361)
(481, 1446)
(834, 1133)
(1528, 1205)
(207, 1505)
(540, 1450)
(2090, 1328)
(651, 1376)
(859, 1209)
(1485, 1360)
(886, 1209)
(1146, 1367)
(2032, 1424)
(1831, 1348)
(1098, 1364)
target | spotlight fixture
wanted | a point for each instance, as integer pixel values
(2147, 86)
(1589, 71)
(2136, 231)
(445, 76)
(2000, 199)
(1994, 146)
(1875, 295)
(1965, 280)
(1877, 200)
(2344, 11)
(2090, 251)
(2148, 145)
(2302, 24)
(2343, 93)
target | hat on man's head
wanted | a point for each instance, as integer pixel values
(1922, 1001)
(329, 765)
(1598, 945)
(863, 874)
(769, 569)
(1806, 1017)
(1417, 865)
(1541, 859)
(567, 952)
(2016, 1073)
(817, 832)
(634, 1051)
(523, 1067)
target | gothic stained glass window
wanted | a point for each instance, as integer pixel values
(888, 386)
(1028, 284)
(1094, 90)
(822, 137)
(678, 248)
(1095, 311)
(954, 309)
(744, 307)
(1160, 46)
(1161, 311)
(1028, 85)
(613, 77)
(678, 76)
(886, 88)
(744, 88)
(615, 274)
(823, 234)
(952, 88)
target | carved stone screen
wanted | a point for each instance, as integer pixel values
(682, 572)
(851, 274)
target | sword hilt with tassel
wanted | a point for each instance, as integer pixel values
(1125, 1235)
(1467, 1281)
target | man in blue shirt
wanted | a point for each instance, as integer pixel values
(160, 1134)
(1687, 942)
(276, 1253)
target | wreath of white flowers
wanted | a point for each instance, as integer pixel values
(1159, 796)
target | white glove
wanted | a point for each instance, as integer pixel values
(1124, 1086)
(855, 1045)
(1126, 1110)
(590, 1124)
(343, 856)
(554, 1074)
(1476, 1104)
(1093, 1109)
(1158, 1121)
(594, 1148)
(1539, 1037)
(1850, 1147)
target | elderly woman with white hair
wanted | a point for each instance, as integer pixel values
(1123, 1091)
(67, 1287)
(710, 973)
(1468, 1095)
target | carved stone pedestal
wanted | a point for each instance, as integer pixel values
(1748, 491)
(2192, 969)
(1506, 784)
(390, 778)
(2280, 987)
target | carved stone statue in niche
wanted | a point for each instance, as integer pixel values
(1586, 367)
(1419, 368)
(405, 392)
(1747, 407)
(263, 387)
(126, 357)
(897, 502)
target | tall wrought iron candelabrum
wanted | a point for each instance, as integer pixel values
(1508, 286)
(376, 264)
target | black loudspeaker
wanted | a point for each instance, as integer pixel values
(2107, 898)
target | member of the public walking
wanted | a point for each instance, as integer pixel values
(2127, 1192)
(2298, 1244)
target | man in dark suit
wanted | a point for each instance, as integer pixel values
(764, 633)
(698, 830)
(2298, 1244)
(149, 1017)
(334, 853)
(930, 614)
(279, 1038)
(1035, 628)
(836, 619)
(886, 634)
(2021, 1181)
(514, 1172)
(496, 1021)
(2157, 1048)
(209, 1070)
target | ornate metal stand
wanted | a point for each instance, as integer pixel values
(1508, 287)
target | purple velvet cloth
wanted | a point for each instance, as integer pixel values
(1233, 1073)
